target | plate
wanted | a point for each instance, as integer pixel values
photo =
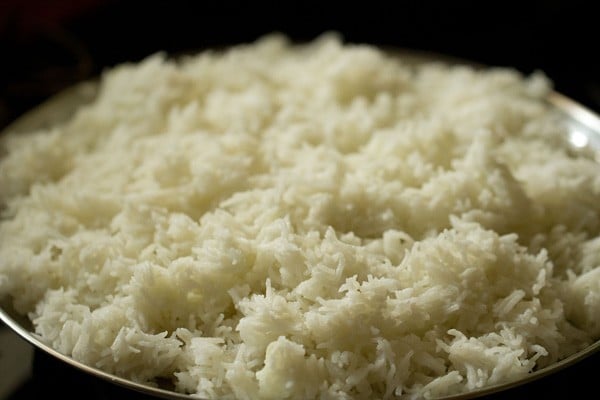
(584, 136)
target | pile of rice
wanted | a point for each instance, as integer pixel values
(305, 221)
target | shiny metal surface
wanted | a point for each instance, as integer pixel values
(584, 135)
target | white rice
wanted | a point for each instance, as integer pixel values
(319, 221)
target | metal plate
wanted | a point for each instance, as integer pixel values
(584, 135)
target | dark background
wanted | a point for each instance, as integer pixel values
(46, 46)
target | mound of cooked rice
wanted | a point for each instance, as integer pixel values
(324, 220)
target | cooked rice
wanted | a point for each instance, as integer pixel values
(305, 221)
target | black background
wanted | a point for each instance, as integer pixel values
(46, 46)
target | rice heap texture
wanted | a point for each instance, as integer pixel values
(305, 221)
